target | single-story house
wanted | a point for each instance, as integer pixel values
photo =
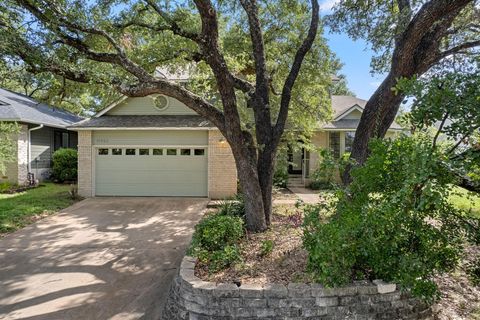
(43, 130)
(157, 146)
(336, 135)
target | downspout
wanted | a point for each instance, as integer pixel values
(30, 146)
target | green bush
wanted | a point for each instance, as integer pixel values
(6, 186)
(395, 221)
(234, 207)
(323, 176)
(215, 241)
(280, 175)
(65, 165)
(266, 247)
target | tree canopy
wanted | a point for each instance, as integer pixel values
(254, 63)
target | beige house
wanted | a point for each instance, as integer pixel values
(336, 135)
(157, 146)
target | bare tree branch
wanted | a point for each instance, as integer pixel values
(295, 69)
(459, 49)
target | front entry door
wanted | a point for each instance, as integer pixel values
(295, 159)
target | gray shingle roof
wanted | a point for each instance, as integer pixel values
(150, 121)
(18, 107)
(340, 104)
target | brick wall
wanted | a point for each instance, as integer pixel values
(85, 164)
(192, 298)
(222, 172)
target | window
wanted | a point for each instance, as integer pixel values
(157, 152)
(349, 136)
(102, 152)
(185, 152)
(130, 152)
(61, 140)
(116, 152)
(199, 152)
(144, 152)
(171, 152)
(335, 144)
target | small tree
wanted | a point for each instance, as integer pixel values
(8, 144)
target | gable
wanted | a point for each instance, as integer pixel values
(146, 106)
(352, 113)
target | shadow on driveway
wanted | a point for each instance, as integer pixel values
(103, 258)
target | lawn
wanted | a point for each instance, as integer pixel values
(18, 210)
(460, 198)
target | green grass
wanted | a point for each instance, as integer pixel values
(18, 210)
(466, 200)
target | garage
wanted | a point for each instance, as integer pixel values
(166, 163)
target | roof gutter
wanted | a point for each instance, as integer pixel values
(30, 145)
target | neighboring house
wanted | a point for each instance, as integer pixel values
(336, 135)
(43, 130)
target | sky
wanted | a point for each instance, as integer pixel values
(356, 57)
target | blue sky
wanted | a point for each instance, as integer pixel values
(356, 57)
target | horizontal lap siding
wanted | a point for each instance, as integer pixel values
(42, 147)
(145, 106)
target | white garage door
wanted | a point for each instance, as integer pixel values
(151, 171)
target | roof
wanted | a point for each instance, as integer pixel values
(18, 107)
(144, 121)
(341, 106)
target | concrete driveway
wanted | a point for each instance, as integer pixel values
(103, 258)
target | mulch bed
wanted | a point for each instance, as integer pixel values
(460, 298)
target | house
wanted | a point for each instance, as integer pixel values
(43, 130)
(153, 146)
(336, 135)
(157, 146)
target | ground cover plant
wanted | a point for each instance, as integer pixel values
(18, 210)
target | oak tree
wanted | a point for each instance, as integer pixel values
(248, 57)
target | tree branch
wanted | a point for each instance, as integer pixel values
(295, 69)
(459, 49)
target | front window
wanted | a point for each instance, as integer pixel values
(349, 136)
(335, 144)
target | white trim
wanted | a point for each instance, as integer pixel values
(142, 128)
(110, 107)
(139, 146)
(348, 111)
(353, 129)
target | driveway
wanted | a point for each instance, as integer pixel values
(103, 258)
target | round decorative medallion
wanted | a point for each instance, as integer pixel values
(161, 102)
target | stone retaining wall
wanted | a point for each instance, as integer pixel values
(191, 298)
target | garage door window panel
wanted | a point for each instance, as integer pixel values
(117, 152)
(130, 152)
(103, 152)
(144, 152)
(171, 152)
(157, 152)
(199, 152)
(185, 152)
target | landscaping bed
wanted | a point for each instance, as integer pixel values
(272, 256)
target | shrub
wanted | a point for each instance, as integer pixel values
(266, 247)
(322, 176)
(6, 186)
(234, 207)
(395, 221)
(215, 241)
(65, 165)
(280, 175)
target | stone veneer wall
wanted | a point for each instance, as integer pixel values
(191, 298)
(222, 172)
(85, 164)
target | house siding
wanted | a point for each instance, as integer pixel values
(222, 171)
(146, 106)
